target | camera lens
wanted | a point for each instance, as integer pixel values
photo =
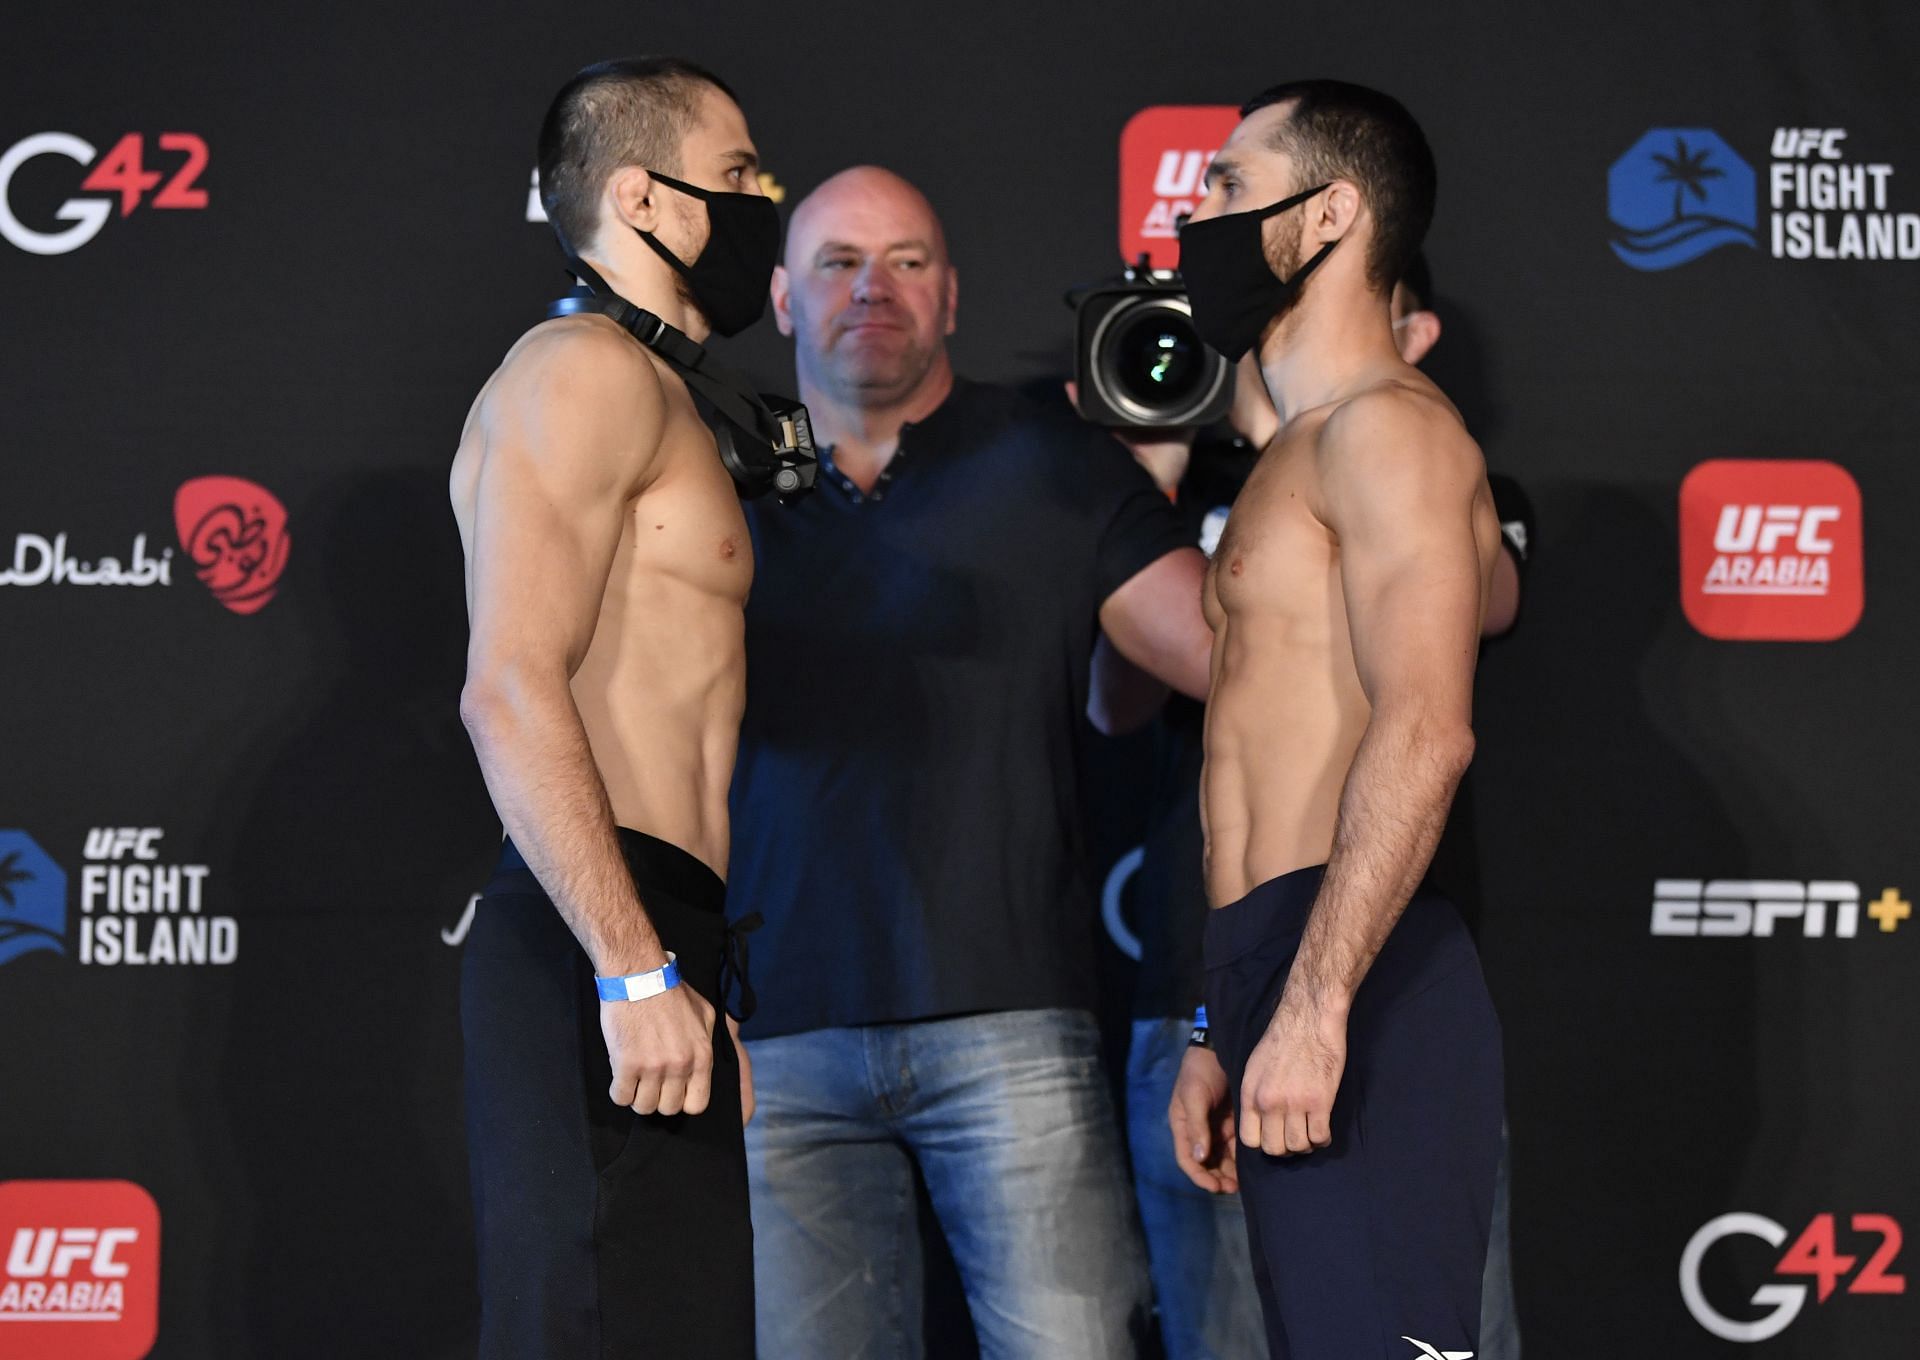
(1149, 363)
(1157, 360)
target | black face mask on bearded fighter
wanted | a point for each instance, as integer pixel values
(729, 278)
(1233, 290)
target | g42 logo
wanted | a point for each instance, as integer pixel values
(1814, 1254)
(122, 172)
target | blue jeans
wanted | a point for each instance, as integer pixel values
(1009, 1120)
(1197, 1242)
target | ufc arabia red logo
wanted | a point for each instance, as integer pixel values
(1164, 155)
(1771, 550)
(235, 532)
(82, 1275)
(178, 159)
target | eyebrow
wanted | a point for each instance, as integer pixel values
(742, 156)
(1222, 165)
(827, 247)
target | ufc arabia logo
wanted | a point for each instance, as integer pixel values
(1771, 550)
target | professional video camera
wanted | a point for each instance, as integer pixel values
(1138, 361)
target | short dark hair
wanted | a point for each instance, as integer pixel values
(613, 114)
(1343, 131)
(1418, 281)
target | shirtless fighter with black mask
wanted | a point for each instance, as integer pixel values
(607, 566)
(1350, 1070)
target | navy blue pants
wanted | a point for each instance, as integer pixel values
(603, 1235)
(1380, 1238)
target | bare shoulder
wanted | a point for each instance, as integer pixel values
(1397, 437)
(576, 389)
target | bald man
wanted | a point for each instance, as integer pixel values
(921, 630)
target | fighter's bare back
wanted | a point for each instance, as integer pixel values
(661, 680)
(1287, 710)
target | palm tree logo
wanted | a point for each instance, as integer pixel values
(1678, 193)
(1687, 171)
(10, 874)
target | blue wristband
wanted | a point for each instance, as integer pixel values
(640, 986)
(1200, 1017)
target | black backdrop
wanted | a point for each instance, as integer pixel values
(364, 257)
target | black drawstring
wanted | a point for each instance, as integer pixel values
(733, 967)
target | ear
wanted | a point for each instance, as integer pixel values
(630, 194)
(1339, 209)
(782, 292)
(1419, 332)
(953, 298)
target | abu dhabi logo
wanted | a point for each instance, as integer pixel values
(1677, 194)
(33, 898)
(235, 532)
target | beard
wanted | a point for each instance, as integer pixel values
(1284, 253)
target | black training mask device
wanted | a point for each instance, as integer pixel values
(766, 442)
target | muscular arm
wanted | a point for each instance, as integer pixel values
(569, 435)
(1400, 481)
(1154, 621)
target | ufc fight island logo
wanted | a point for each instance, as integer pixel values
(82, 1275)
(1164, 155)
(1873, 1249)
(1771, 550)
(180, 159)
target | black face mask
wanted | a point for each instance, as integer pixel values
(729, 279)
(1234, 292)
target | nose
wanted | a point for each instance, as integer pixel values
(871, 284)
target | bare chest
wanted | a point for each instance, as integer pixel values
(686, 527)
(1274, 555)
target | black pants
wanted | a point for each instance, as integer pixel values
(603, 1234)
(1380, 1238)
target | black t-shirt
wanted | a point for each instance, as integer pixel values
(1170, 898)
(906, 807)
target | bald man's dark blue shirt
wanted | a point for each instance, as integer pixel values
(906, 809)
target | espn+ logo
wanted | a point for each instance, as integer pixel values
(1815, 1255)
(122, 173)
(82, 1267)
(1735, 908)
(1771, 550)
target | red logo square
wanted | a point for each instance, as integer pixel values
(1771, 550)
(1164, 155)
(82, 1277)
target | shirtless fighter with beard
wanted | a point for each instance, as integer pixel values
(1352, 1046)
(607, 567)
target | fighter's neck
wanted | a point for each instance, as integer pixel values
(649, 283)
(864, 438)
(1312, 358)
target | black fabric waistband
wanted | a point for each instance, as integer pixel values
(1279, 906)
(657, 867)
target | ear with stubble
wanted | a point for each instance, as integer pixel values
(630, 197)
(781, 291)
(1334, 212)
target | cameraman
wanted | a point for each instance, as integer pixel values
(1197, 1242)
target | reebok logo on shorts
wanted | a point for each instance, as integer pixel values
(1433, 1354)
(1771, 550)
